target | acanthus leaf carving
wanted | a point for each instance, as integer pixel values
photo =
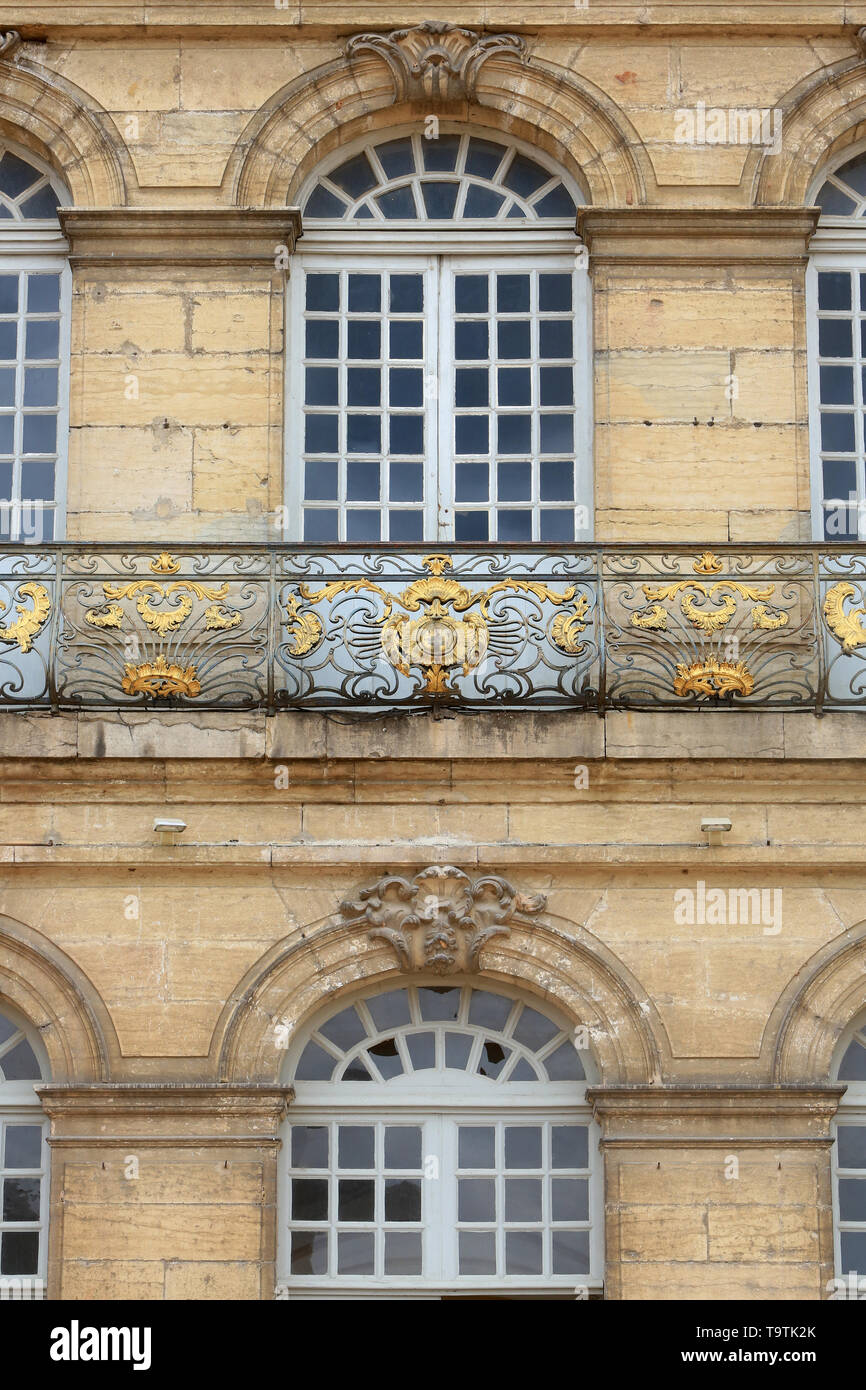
(436, 60)
(440, 920)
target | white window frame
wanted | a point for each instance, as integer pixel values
(439, 1101)
(19, 1103)
(41, 246)
(824, 260)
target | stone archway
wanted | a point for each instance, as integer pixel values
(815, 1009)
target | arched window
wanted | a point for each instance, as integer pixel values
(439, 1141)
(23, 1161)
(34, 351)
(849, 1168)
(836, 297)
(439, 347)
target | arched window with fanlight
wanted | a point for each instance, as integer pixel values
(849, 1166)
(440, 1143)
(836, 299)
(23, 1160)
(34, 350)
(439, 347)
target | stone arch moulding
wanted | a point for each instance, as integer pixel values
(42, 110)
(389, 79)
(820, 117)
(814, 1010)
(56, 996)
(440, 924)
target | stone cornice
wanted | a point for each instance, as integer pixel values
(674, 1116)
(643, 236)
(156, 1099)
(171, 237)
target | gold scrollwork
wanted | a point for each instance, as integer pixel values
(438, 641)
(714, 677)
(304, 628)
(845, 627)
(180, 594)
(722, 594)
(29, 620)
(162, 679)
(567, 627)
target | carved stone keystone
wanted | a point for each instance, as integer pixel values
(436, 61)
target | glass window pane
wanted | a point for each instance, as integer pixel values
(386, 1058)
(482, 202)
(523, 1199)
(403, 1146)
(470, 341)
(356, 1198)
(323, 338)
(457, 1049)
(477, 1252)
(402, 1252)
(515, 386)
(439, 1002)
(441, 154)
(16, 175)
(315, 1065)
(43, 294)
(321, 434)
(309, 1146)
(8, 294)
(570, 1252)
(406, 434)
(569, 1199)
(476, 1199)
(523, 1252)
(355, 1252)
(355, 177)
(406, 527)
(853, 1250)
(489, 1010)
(834, 289)
(471, 294)
(406, 386)
(323, 203)
(19, 1252)
(476, 1146)
(493, 1058)
(37, 481)
(440, 199)
(834, 338)
(570, 1146)
(514, 434)
(23, 1146)
(403, 1199)
(484, 157)
(522, 1146)
(356, 1146)
(363, 338)
(471, 435)
(8, 341)
(555, 338)
(322, 385)
(389, 1010)
(345, 1029)
(365, 293)
(853, 1065)
(406, 294)
(397, 204)
(20, 1064)
(852, 1199)
(513, 338)
(323, 293)
(471, 526)
(422, 1050)
(407, 482)
(851, 1142)
(564, 1064)
(837, 432)
(362, 475)
(524, 176)
(512, 294)
(320, 525)
(309, 1199)
(309, 1252)
(396, 157)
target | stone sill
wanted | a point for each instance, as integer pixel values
(582, 736)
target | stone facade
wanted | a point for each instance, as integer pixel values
(154, 972)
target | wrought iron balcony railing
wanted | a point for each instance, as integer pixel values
(302, 627)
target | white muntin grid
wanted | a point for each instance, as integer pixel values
(23, 1164)
(849, 1158)
(836, 293)
(439, 1138)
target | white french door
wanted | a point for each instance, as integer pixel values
(438, 398)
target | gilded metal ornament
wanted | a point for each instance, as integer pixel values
(29, 620)
(161, 679)
(845, 627)
(713, 677)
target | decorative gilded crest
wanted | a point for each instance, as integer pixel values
(161, 679)
(29, 620)
(713, 677)
(437, 641)
(845, 627)
(440, 920)
(436, 61)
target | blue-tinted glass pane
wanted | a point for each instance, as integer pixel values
(321, 387)
(477, 1252)
(321, 434)
(471, 526)
(397, 204)
(557, 480)
(422, 1050)
(323, 203)
(515, 482)
(851, 1141)
(484, 158)
(471, 386)
(554, 337)
(557, 203)
(472, 482)
(363, 434)
(834, 338)
(514, 338)
(439, 199)
(512, 294)
(853, 1066)
(7, 387)
(514, 434)
(43, 294)
(557, 434)
(362, 480)
(320, 480)
(363, 525)
(406, 294)
(323, 338)
(19, 1252)
(406, 526)
(441, 155)
(407, 482)
(470, 341)
(482, 202)
(407, 340)
(320, 525)
(840, 523)
(557, 526)
(834, 203)
(515, 386)
(7, 433)
(471, 434)
(471, 294)
(407, 434)
(364, 386)
(564, 1064)
(323, 293)
(854, 173)
(514, 526)
(363, 338)
(8, 294)
(837, 432)
(569, 1252)
(355, 177)
(406, 386)
(6, 480)
(557, 386)
(834, 289)
(364, 211)
(554, 293)
(853, 1250)
(315, 1064)
(39, 435)
(43, 205)
(23, 1146)
(16, 175)
(525, 176)
(8, 341)
(365, 294)
(390, 1010)
(396, 157)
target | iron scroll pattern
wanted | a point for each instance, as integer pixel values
(304, 627)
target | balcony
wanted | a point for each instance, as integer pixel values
(303, 627)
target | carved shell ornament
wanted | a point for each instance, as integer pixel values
(436, 60)
(440, 920)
